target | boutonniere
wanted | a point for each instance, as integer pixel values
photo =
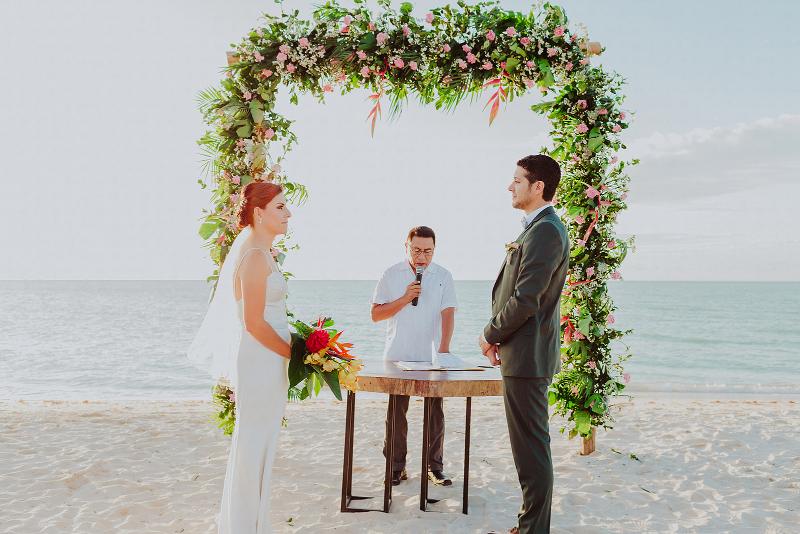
(511, 247)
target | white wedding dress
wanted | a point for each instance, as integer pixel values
(260, 403)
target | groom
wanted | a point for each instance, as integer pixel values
(523, 336)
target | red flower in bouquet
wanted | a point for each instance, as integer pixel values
(318, 340)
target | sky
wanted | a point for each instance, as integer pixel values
(100, 162)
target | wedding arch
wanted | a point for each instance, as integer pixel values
(443, 57)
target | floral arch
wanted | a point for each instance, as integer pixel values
(447, 55)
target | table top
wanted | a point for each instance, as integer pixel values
(386, 377)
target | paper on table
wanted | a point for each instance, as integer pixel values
(441, 362)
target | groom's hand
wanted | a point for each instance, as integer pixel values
(489, 350)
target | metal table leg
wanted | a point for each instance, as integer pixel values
(347, 464)
(465, 503)
(423, 473)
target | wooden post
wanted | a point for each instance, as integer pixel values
(232, 58)
(588, 444)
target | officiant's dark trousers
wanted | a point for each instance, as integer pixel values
(436, 450)
(529, 431)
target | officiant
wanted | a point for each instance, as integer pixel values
(420, 319)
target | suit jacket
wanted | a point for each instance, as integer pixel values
(526, 300)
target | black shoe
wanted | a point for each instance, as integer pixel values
(438, 478)
(397, 476)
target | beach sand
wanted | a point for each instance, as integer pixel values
(670, 465)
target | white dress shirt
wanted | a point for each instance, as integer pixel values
(415, 332)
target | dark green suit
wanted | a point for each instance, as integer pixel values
(525, 323)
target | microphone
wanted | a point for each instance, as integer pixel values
(419, 279)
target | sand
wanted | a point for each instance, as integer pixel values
(670, 465)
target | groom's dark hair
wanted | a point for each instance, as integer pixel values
(542, 168)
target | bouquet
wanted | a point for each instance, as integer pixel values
(318, 357)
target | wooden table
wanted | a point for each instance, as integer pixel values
(386, 377)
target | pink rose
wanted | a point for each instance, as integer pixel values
(580, 219)
(371, 26)
(529, 64)
(578, 336)
(581, 242)
(623, 196)
(236, 180)
(290, 68)
(611, 319)
(471, 58)
(584, 61)
(429, 18)
(348, 20)
(234, 198)
(461, 64)
(257, 56)
(525, 41)
(591, 364)
(466, 48)
(614, 160)
(446, 48)
(247, 95)
(490, 35)
(361, 54)
(412, 65)
(591, 192)
(487, 65)
(303, 42)
(399, 63)
(582, 104)
(328, 88)
(365, 71)
(281, 57)
(382, 38)
(617, 128)
(626, 377)
(406, 30)
(622, 115)
(612, 244)
(568, 66)
(602, 111)
(582, 128)
(529, 83)
(616, 275)
(576, 159)
(266, 73)
(590, 271)
(511, 31)
(269, 134)
(284, 48)
(552, 52)
(559, 31)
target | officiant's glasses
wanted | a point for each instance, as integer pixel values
(428, 252)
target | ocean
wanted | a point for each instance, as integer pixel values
(124, 340)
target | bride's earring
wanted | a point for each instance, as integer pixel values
(260, 220)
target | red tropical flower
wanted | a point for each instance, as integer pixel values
(318, 340)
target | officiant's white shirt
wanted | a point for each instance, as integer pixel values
(414, 333)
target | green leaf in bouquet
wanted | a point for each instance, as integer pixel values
(297, 368)
(332, 379)
(583, 422)
(244, 131)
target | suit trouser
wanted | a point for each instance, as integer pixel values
(436, 449)
(529, 432)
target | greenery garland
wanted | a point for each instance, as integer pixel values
(448, 55)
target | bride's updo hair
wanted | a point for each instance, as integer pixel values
(255, 195)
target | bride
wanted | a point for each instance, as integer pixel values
(245, 338)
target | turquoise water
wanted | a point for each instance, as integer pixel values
(127, 340)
